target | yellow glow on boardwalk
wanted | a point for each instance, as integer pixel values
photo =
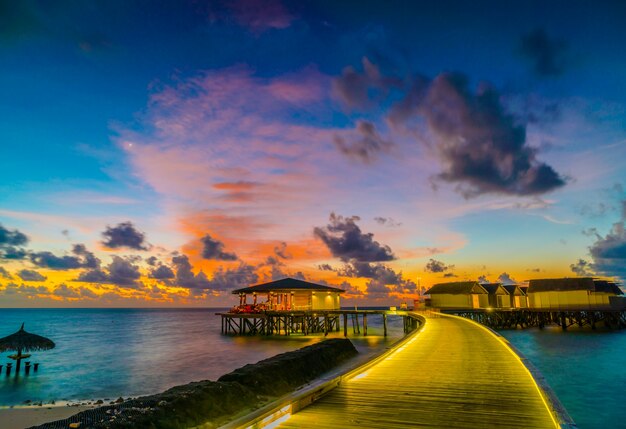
(453, 373)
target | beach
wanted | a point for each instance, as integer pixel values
(23, 417)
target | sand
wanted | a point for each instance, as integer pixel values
(23, 417)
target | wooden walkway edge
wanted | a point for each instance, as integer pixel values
(451, 372)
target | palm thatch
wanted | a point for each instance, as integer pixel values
(23, 341)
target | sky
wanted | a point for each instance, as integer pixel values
(165, 153)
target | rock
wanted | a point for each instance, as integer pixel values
(119, 400)
(99, 401)
(74, 425)
(28, 401)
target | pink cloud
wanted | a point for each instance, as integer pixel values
(261, 15)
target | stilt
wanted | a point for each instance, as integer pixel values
(365, 324)
(345, 324)
(385, 324)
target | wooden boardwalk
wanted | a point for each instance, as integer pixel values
(452, 374)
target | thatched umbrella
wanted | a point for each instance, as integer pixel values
(23, 341)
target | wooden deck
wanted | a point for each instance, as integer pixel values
(453, 373)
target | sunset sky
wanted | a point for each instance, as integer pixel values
(165, 153)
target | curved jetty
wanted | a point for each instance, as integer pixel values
(451, 373)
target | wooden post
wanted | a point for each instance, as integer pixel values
(345, 324)
(365, 324)
(325, 325)
(385, 324)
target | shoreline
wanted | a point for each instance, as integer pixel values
(20, 417)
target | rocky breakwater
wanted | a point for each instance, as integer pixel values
(212, 403)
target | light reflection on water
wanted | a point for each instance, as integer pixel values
(585, 368)
(107, 353)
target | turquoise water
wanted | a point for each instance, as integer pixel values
(108, 353)
(585, 368)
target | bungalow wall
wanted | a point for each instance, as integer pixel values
(568, 299)
(325, 301)
(519, 301)
(448, 300)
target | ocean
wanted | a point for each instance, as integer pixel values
(111, 353)
(108, 353)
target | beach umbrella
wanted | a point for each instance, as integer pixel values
(23, 341)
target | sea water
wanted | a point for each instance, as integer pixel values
(585, 368)
(108, 353)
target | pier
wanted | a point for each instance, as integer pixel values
(307, 322)
(539, 317)
(451, 372)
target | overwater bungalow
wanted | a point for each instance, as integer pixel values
(458, 295)
(499, 297)
(572, 293)
(288, 294)
(517, 296)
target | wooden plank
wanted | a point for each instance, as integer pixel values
(451, 374)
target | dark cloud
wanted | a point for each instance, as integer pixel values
(582, 268)
(482, 147)
(5, 274)
(506, 279)
(185, 276)
(12, 243)
(82, 259)
(357, 90)
(609, 251)
(387, 221)
(31, 276)
(214, 249)
(325, 267)
(448, 275)
(162, 272)
(64, 291)
(364, 144)
(152, 261)
(14, 289)
(120, 272)
(124, 235)
(435, 266)
(345, 240)
(379, 274)
(281, 251)
(547, 56)
(483, 279)
(228, 279)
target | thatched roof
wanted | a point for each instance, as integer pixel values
(286, 285)
(456, 288)
(573, 284)
(494, 288)
(25, 341)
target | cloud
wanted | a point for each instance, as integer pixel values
(281, 251)
(162, 272)
(82, 259)
(482, 148)
(260, 16)
(64, 291)
(483, 279)
(582, 268)
(120, 272)
(124, 235)
(609, 251)
(12, 243)
(547, 56)
(364, 144)
(387, 221)
(185, 276)
(435, 266)
(345, 240)
(14, 289)
(214, 249)
(506, 279)
(357, 90)
(5, 274)
(222, 280)
(31, 276)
